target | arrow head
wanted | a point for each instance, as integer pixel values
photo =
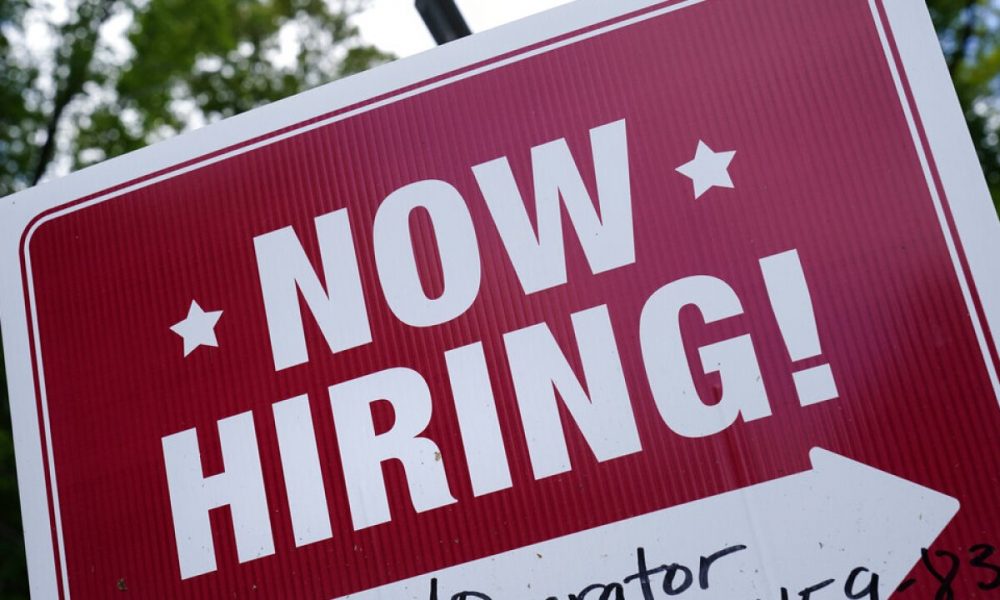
(881, 487)
(888, 517)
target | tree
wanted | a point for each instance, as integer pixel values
(969, 31)
(20, 118)
(187, 62)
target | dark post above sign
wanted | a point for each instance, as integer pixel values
(443, 19)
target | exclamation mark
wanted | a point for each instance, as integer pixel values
(793, 308)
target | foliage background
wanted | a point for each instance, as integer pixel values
(178, 64)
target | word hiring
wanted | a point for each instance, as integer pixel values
(599, 404)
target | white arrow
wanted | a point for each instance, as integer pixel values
(799, 531)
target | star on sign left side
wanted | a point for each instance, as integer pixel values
(198, 328)
(708, 169)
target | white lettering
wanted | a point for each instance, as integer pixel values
(539, 369)
(362, 451)
(240, 486)
(457, 248)
(669, 374)
(607, 239)
(285, 270)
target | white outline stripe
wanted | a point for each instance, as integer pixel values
(57, 514)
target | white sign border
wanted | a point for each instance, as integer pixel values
(923, 65)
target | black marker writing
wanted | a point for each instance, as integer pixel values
(870, 591)
(677, 579)
(983, 552)
(945, 591)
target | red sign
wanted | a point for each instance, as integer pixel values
(621, 301)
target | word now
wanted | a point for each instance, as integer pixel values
(599, 404)
(607, 239)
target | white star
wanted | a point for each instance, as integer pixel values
(198, 328)
(708, 169)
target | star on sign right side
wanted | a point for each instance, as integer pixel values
(708, 169)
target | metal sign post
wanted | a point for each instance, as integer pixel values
(443, 19)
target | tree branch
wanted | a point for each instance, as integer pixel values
(79, 59)
(48, 149)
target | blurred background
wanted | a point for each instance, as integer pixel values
(82, 81)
